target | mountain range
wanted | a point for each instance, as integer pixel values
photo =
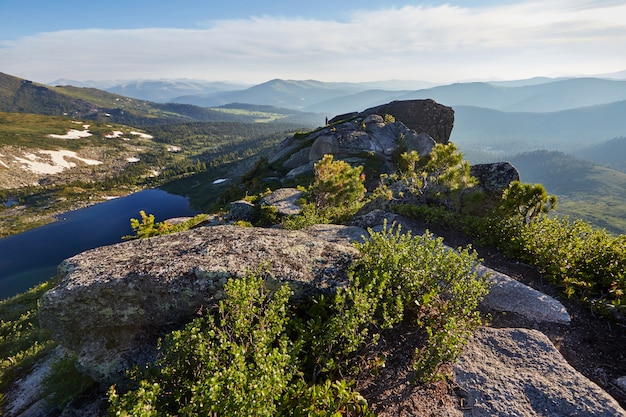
(532, 95)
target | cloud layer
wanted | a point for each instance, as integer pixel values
(441, 44)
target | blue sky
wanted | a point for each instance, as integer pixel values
(254, 41)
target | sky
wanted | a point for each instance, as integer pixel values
(347, 40)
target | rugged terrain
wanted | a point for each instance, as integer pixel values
(185, 271)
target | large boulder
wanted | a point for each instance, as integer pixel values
(113, 302)
(509, 295)
(283, 200)
(360, 136)
(493, 179)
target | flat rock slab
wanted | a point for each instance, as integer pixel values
(507, 294)
(519, 372)
(284, 199)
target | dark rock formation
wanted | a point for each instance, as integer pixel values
(419, 125)
(113, 302)
(241, 210)
(495, 178)
(422, 116)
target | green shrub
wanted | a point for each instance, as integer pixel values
(334, 197)
(63, 383)
(147, 227)
(419, 277)
(22, 341)
(389, 119)
(526, 201)
(588, 263)
(398, 277)
(336, 184)
(228, 364)
(236, 361)
(328, 399)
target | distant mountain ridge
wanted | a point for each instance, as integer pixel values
(611, 153)
(535, 95)
(24, 96)
(567, 130)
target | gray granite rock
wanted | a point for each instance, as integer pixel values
(507, 294)
(284, 200)
(519, 372)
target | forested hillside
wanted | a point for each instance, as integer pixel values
(585, 190)
(611, 153)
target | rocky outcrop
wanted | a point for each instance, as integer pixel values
(493, 179)
(422, 116)
(519, 372)
(113, 302)
(352, 137)
(241, 210)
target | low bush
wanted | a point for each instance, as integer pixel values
(335, 195)
(148, 227)
(419, 278)
(589, 264)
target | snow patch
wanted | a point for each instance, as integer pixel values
(39, 165)
(132, 159)
(116, 134)
(142, 135)
(174, 148)
(73, 134)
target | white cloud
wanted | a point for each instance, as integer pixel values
(443, 43)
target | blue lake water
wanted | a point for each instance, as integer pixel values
(32, 257)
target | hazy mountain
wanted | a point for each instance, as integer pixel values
(165, 90)
(545, 97)
(500, 132)
(23, 96)
(539, 94)
(281, 93)
(161, 90)
(527, 81)
(354, 102)
(611, 153)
